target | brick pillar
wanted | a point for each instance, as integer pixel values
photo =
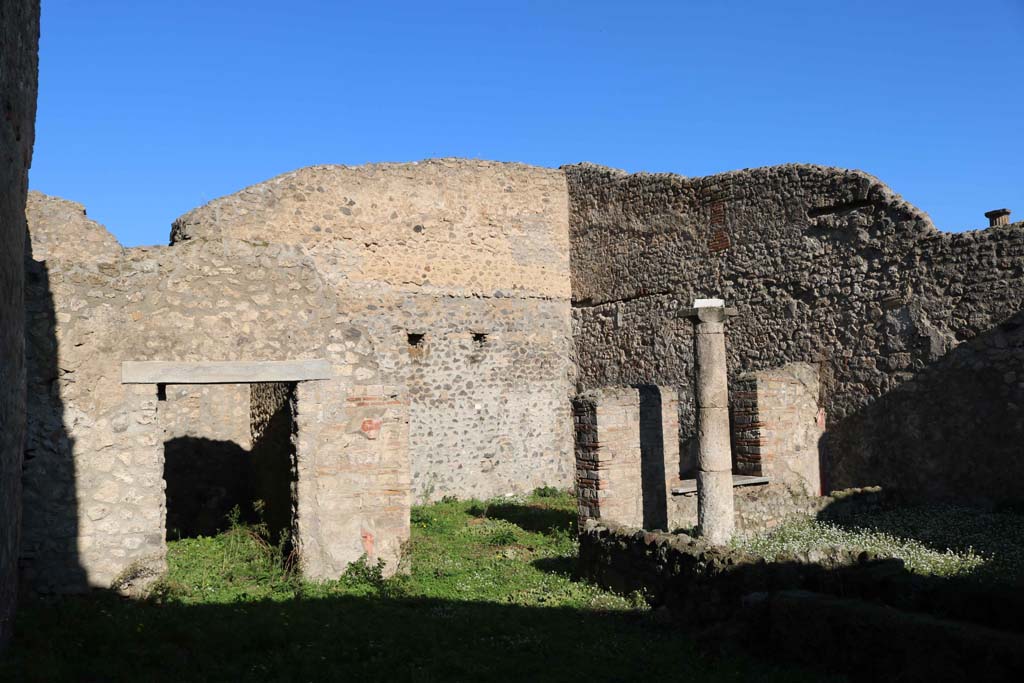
(354, 481)
(608, 461)
(777, 425)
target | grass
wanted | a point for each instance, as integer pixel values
(490, 596)
(932, 540)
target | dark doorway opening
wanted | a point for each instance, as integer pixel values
(205, 480)
(213, 482)
(272, 409)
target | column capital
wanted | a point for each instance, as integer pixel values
(709, 311)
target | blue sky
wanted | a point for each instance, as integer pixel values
(148, 109)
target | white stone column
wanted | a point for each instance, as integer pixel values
(715, 510)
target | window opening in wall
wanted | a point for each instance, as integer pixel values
(225, 462)
(415, 338)
(479, 338)
(161, 392)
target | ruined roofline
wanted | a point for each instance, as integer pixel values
(37, 198)
(60, 229)
(877, 191)
(368, 170)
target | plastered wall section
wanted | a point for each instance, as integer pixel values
(93, 471)
(19, 40)
(916, 333)
(446, 249)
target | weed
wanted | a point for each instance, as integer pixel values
(502, 537)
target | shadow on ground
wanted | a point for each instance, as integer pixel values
(535, 518)
(106, 638)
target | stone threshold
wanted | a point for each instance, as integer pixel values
(688, 487)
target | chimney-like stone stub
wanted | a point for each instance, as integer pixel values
(998, 217)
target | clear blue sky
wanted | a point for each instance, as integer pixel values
(148, 109)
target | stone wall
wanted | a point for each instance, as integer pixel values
(94, 466)
(916, 333)
(459, 272)
(19, 40)
(760, 507)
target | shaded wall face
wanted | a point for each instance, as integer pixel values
(826, 267)
(458, 271)
(19, 38)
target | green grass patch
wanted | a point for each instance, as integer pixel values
(934, 540)
(490, 595)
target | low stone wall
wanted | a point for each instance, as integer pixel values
(700, 582)
(703, 584)
(834, 610)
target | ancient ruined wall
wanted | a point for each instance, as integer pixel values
(471, 259)
(19, 39)
(916, 333)
(627, 455)
(61, 230)
(94, 459)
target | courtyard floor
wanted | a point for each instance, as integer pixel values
(489, 596)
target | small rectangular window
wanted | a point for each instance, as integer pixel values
(415, 339)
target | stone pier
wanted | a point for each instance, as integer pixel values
(714, 456)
